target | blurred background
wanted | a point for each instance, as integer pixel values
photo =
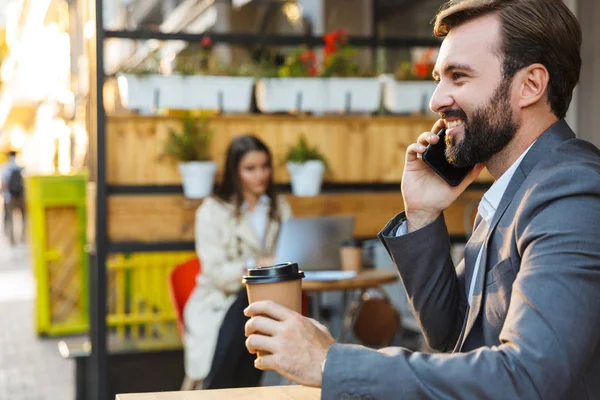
(99, 117)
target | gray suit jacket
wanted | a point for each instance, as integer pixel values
(533, 328)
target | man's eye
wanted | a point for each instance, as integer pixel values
(457, 75)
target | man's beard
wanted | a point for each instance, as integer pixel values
(487, 132)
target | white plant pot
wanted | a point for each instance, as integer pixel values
(225, 93)
(186, 92)
(306, 177)
(137, 91)
(407, 97)
(198, 178)
(359, 95)
(172, 91)
(291, 95)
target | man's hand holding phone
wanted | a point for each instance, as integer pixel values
(425, 193)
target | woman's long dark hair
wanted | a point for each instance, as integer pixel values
(230, 189)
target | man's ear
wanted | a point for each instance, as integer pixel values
(533, 84)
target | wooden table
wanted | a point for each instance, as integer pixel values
(364, 280)
(266, 393)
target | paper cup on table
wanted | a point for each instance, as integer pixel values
(281, 283)
(351, 256)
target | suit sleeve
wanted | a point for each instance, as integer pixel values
(434, 287)
(222, 272)
(551, 328)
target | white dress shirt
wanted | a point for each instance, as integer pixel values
(486, 209)
(258, 218)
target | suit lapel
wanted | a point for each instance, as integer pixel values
(514, 185)
(556, 134)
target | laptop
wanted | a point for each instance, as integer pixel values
(314, 243)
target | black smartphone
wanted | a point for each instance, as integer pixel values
(435, 157)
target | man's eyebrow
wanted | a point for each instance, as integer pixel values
(462, 67)
(452, 67)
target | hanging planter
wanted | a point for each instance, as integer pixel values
(143, 92)
(353, 95)
(186, 92)
(223, 93)
(407, 97)
(291, 95)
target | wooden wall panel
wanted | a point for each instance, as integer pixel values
(359, 149)
(163, 218)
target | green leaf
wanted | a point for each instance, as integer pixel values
(302, 152)
(192, 143)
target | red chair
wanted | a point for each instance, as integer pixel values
(181, 283)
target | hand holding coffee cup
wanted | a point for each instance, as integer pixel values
(280, 283)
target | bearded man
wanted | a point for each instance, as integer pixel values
(519, 317)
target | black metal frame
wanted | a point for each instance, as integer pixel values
(337, 187)
(98, 371)
(273, 40)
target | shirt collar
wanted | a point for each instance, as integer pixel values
(491, 199)
(263, 201)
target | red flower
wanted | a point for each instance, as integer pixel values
(421, 70)
(307, 56)
(333, 40)
(312, 70)
(330, 38)
(206, 41)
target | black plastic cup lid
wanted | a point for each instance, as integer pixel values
(273, 274)
(351, 243)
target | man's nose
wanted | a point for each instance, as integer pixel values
(441, 99)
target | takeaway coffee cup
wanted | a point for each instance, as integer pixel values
(281, 283)
(351, 255)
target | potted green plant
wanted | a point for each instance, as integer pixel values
(306, 166)
(191, 146)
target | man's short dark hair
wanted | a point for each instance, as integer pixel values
(533, 31)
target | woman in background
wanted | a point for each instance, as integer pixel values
(236, 229)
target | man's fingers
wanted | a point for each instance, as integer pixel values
(260, 324)
(266, 362)
(414, 151)
(437, 127)
(270, 309)
(256, 343)
(427, 137)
